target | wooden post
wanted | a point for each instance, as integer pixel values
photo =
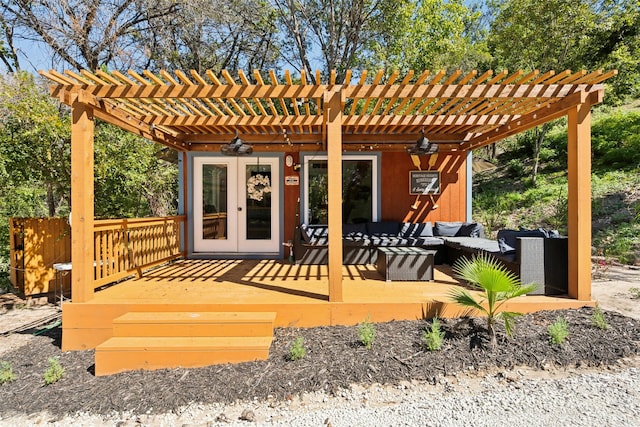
(333, 117)
(185, 206)
(579, 201)
(82, 251)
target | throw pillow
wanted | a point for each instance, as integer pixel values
(447, 229)
(470, 229)
(422, 229)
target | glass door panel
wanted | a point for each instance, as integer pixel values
(258, 201)
(214, 202)
(258, 220)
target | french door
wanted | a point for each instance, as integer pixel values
(236, 205)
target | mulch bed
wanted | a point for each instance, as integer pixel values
(335, 359)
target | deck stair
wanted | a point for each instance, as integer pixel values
(156, 340)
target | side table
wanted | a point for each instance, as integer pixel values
(405, 263)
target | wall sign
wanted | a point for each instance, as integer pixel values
(424, 182)
(292, 180)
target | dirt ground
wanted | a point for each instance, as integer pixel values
(335, 359)
(612, 287)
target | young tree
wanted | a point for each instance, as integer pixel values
(497, 284)
(550, 35)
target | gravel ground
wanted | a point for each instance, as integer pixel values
(517, 397)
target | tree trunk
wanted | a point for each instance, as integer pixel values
(539, 135)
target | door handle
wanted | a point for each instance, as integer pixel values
(239, 208)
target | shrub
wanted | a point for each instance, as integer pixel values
(635, 293)
(433, 336)
(499, 285)
(6, 373)
(558, 331)
(598, 319)
(367, 333)
(54, 372)
(297, 350)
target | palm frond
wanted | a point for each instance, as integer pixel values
(508, 318)
(465, 299)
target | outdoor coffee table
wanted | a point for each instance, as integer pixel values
(405, 263)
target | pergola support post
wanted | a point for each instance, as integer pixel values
(333, 115)
(579, 201)
(82, 199)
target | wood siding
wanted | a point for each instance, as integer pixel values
(397, 202)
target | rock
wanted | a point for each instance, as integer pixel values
(248, 415)
(222, 418)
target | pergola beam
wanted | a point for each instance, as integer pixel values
(362, 120)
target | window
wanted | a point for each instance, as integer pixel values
(359, 189)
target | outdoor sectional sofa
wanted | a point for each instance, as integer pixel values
(536, 256)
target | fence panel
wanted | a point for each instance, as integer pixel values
(37, 244)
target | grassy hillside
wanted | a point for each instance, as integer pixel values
(505, 197)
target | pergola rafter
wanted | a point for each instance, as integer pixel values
(459, 111)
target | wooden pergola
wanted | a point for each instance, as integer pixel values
(460, 112)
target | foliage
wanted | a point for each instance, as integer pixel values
(635, 293)
(297, 350)
(497, 284)
(131, 179)
(558, 331)
(434, 335)
(216, 35)
(550, 35)
(54, 372)
(433, 34)
(598, 319)
(501, 200)
(616, 141)
(367, 333)
(6, 373)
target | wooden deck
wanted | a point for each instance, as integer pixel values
(298, 294)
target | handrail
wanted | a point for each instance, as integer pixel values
(123, 247)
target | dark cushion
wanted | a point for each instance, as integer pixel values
(424, 241)
(384, 228)
(423, 229)
(354, 230)
(470, 229)
(472, 243)
(448, 229)
(507, 238)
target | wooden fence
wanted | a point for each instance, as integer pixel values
(35, 245)
(122, 247)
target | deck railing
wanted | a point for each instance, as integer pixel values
(128, 246)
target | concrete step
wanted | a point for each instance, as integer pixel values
(194, 324)
(120, 354)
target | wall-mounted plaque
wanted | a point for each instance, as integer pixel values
(291, 180)
(424, 182)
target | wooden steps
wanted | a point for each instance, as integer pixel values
(157, 340)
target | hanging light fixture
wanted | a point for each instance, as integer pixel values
(236, 147)
(423, 146)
